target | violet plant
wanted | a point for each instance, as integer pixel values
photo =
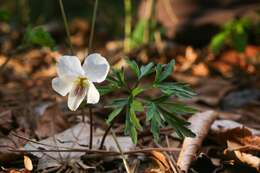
(159, 110)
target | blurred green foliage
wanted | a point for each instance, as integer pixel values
(4, 15)
(143, 32)
(37, 36)
(235, 33)
(110, 15)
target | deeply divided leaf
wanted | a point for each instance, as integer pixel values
(145, 70)
(178, 89)
(133, 65)
(118, 102)
(113, 114)
(137, 91)
(167, 71)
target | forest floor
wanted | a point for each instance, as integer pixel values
(228, 100)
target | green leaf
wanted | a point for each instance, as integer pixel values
(145, 70)
(133, 134)
(106, 89)
(173, 116)
(130, 128)
(155, 129)
(218, 42)
(239, 40)
(133, 65)
(153, 115)
(134, 119)
(113, 114)
(118, 76)
(151, 110)
(178, 124)
(127, 123)
(160, 99)
(167, 71)
(137, 106)
(138, 36)
(113, 81)
(178, 108)
(177, 89)
(158, 70)
(38, 36)
(137, 91)
(118, 103)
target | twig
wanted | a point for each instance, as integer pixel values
(76, 137)
(94, 16)
(105, 135)
(91, 128)
(89, 50)
(66, 25)
(171, 157)
(83, 115)
(39, 143)
(128, 170)
(108, 153)
(169, 160)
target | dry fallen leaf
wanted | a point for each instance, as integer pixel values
(52, 121)
(200, 124)
(11, 142)
(74, 137)
(246, 158)
(6, 119)
(200, 69)
(161, 160)
(222, 126)
(211, 91)
(188, 60)
(28, 163)
(243, 144)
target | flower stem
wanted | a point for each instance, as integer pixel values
(128, 22)
(91, 128)
(105, 135)
(66, 25)
(92, 27)
(128, 170)
(89, 50)
(83, 115)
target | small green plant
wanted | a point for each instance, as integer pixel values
(160, 110)
(234, 33)
(37, 36)
(4, 15)
(143, 31)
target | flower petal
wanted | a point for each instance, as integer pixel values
(93, 94)
(61, 86)
(96, 67)
(69, 66)
(76, 96)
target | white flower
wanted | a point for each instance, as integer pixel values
(78, 80)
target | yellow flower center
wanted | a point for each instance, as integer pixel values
(82, 81)
(81, 85)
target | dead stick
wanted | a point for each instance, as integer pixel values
(111, 153)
